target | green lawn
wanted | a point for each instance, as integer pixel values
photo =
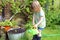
(48, 34)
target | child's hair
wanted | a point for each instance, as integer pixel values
(35, 5)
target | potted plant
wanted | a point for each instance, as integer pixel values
(8, 24)
(13, 31)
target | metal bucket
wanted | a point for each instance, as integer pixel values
(16, 34)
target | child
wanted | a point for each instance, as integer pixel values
(39, 21)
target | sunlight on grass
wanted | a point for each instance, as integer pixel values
(53, 34)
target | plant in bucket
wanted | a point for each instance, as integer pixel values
(13, 30)
(7, 26)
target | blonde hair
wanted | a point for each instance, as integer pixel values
(35, 5)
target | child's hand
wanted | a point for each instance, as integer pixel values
(35, 26)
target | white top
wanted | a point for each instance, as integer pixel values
(37, 17)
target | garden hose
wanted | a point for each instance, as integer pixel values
(50, 35)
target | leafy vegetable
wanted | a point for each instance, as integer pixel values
(8, 23)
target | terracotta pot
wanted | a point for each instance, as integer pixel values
(7, 28)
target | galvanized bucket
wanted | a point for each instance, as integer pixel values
(16, 34)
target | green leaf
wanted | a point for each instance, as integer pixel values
(28, 10)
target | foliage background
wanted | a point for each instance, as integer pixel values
(52, 10)
(22, 7)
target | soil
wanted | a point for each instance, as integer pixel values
(15, 31)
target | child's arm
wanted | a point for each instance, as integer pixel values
(41, 18)
(34, 25)
(33, 20)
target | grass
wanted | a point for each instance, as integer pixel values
(53, 34)
(47, 32)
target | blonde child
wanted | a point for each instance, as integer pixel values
(39, 21)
